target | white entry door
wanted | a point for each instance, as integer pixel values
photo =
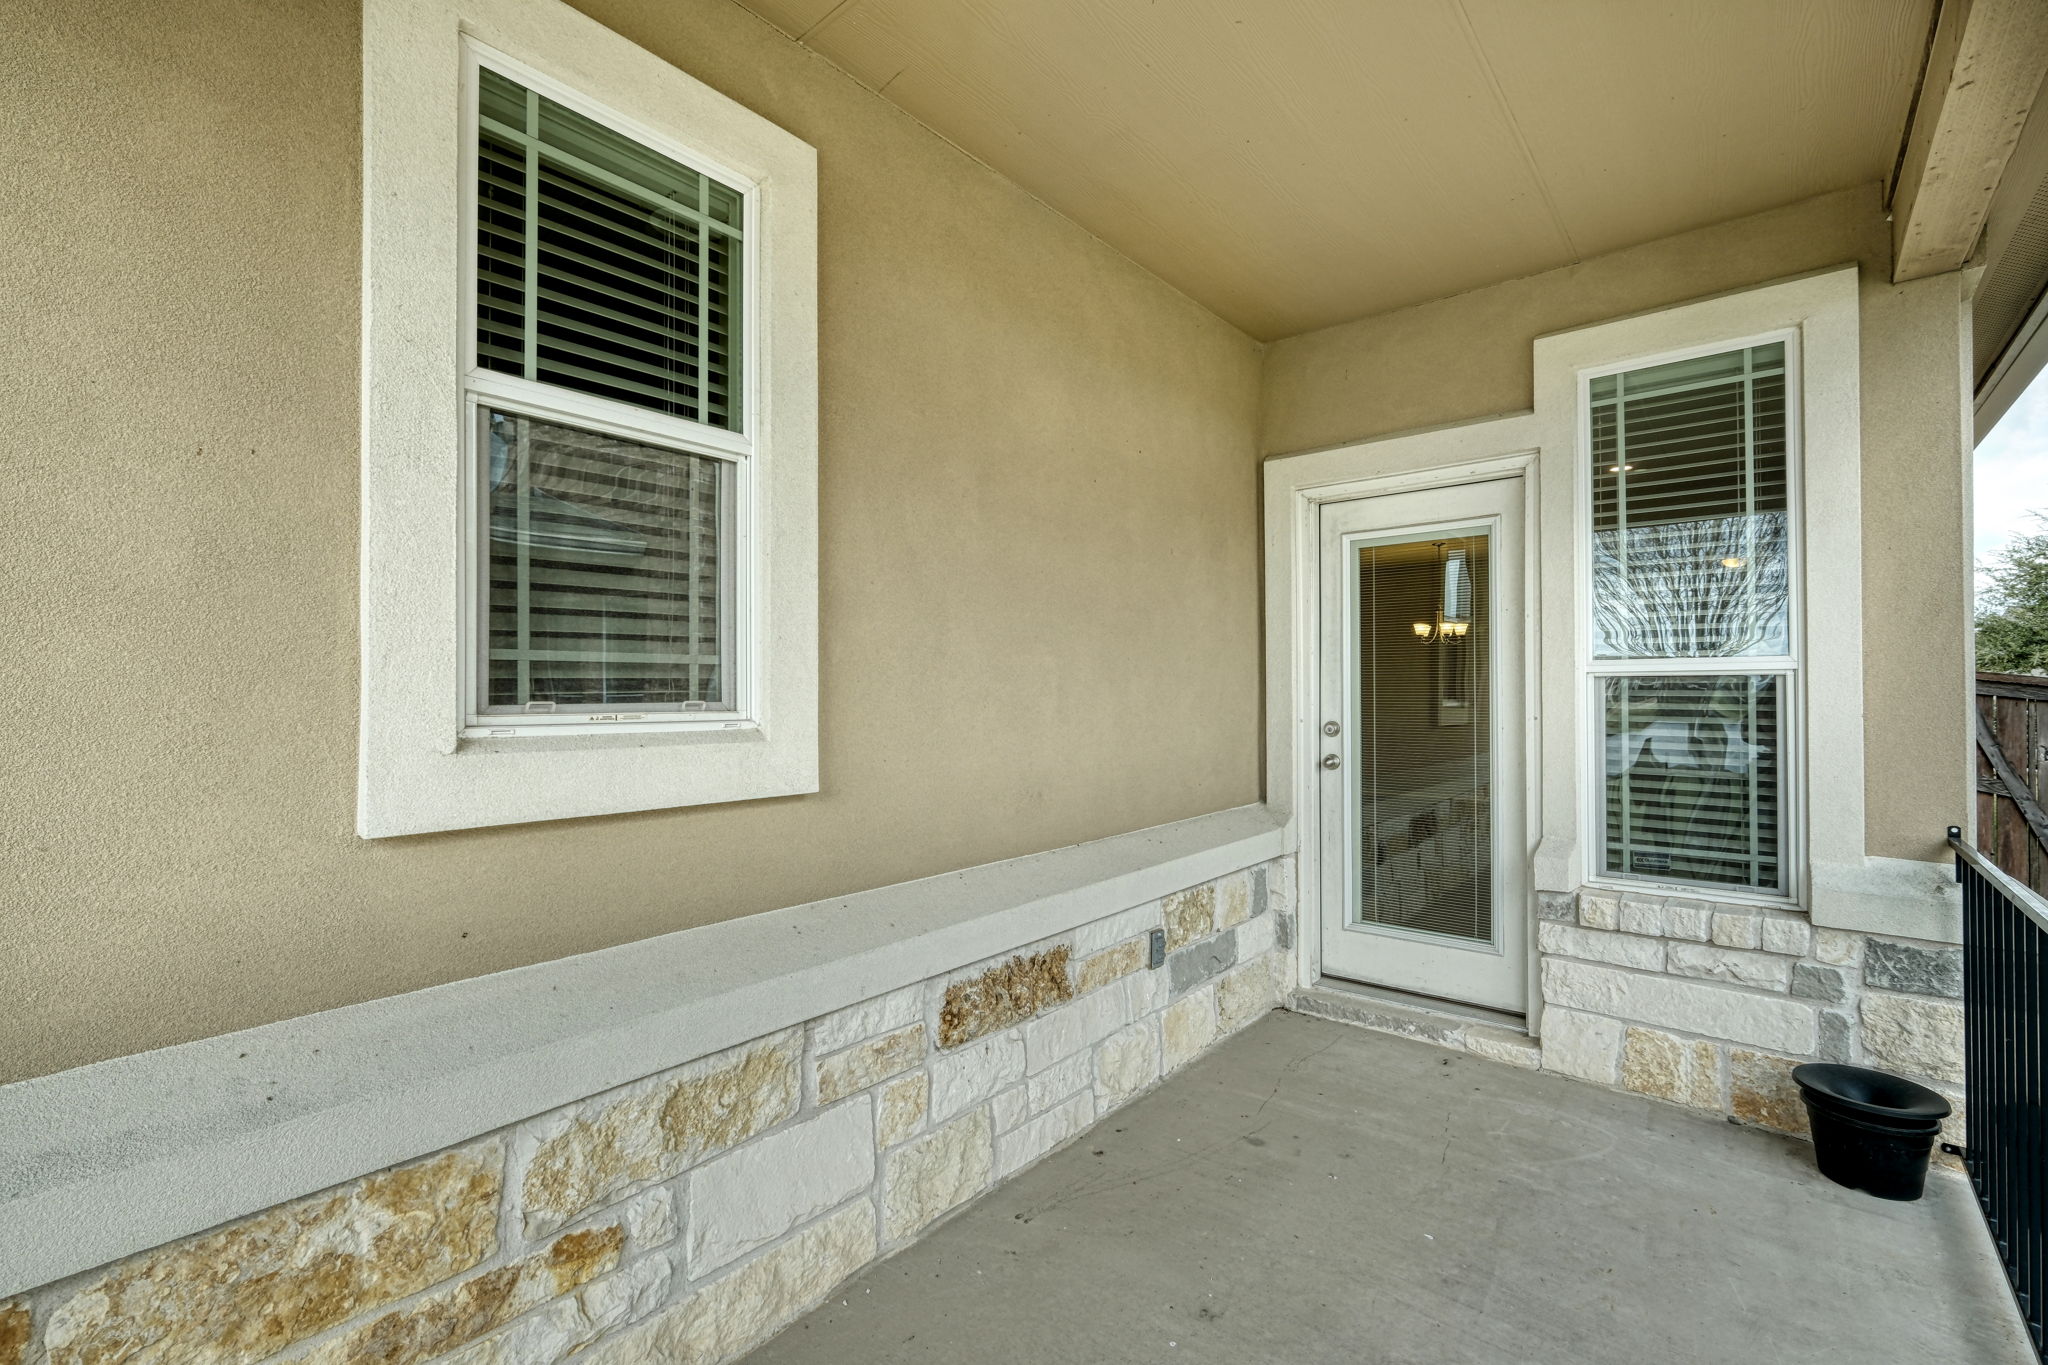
(1424, 883)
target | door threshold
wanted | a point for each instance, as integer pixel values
(1426, 1004)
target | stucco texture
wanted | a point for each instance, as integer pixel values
(1039, 542)
(1468, 357)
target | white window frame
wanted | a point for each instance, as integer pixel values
(1835, 880)
(484, 388)
(431, 759)
(1790, 667)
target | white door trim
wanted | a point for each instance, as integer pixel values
(1296, 487)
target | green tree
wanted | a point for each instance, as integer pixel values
(2012, 616)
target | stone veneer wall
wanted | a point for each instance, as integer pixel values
(685, 1217)
(1711, 1005)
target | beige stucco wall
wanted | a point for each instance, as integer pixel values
(1468, 357)
(1039, 544)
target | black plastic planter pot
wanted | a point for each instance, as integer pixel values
(1871, 1131)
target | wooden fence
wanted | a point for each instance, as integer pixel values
(2012, 774)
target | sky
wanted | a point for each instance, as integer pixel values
(2012, 473)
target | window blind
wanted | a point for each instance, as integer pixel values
(1690, 533)
(604, 569)
(603, 266)
(1692, 560)
(1692, 778)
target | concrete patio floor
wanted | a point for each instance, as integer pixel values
(1313, 1192)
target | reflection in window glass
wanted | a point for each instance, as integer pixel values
(1690, 528)
(604, 572)
(1692, 779)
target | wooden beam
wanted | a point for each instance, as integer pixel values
(1984, 70)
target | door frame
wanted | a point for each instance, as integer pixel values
(1296, 489)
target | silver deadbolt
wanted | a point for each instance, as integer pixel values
(1332, 762)
(1330, 727)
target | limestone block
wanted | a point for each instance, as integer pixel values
(1110, 965)
(1712, 1010)
(1584, 1045)
(1558, 906)
(1835, 1043)
(739, 1310)
(937, 1173)
(1811, 981)
(1034, 1139)
(1247, 994)
(1737, 929)
(1915, 1035)
(1262, 899)
(868, 1019)
(1189, 1026)
(1060, 1081)
(1191, 966)
(1072, 1028)
(901, 1109)
(960, 1080)
(1145, 993)
(857, 1068)
(1598, 910)
(1760, 1091)
(255, 1287)
(1913, 968)
(1690, 920)
(1594, 945)
(1793, 937)
(570, 1324)
(753, 1195)
(1257, 938)
(1190, 915)
(1766, 971)
(1641, 915)
(1233, 899)
(1837, 947)
(1010, 1108)
(1125, 1064)
(1502, 1045)
(1005, 994)
(1137, 922)
(614, 1144)
(14, 1332)
(1655, 1063)
(1955, 1128)
(445, 1319)
(650, 1218)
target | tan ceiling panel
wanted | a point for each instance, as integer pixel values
(794, 17)
(1644, 120)
(1297, 163)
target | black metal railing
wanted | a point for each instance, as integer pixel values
(2005, 986)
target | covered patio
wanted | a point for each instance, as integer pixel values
(1313, 1191)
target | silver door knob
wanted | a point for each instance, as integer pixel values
(1332, 762)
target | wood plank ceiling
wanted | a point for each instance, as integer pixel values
(1298, 163)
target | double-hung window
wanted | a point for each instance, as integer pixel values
(605, 406)
(1693, 621)
(589, 428)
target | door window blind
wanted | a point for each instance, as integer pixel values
(602, 265)
(1692, 560)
